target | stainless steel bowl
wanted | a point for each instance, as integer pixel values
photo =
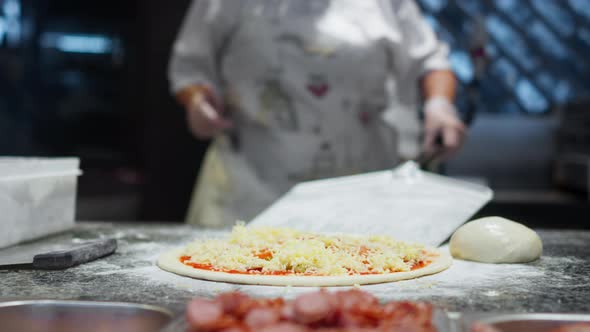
(532, 322)
(70, 316)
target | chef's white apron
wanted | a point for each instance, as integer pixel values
(305, 83)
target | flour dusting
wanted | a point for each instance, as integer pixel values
(461, 279)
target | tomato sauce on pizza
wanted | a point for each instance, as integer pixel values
(282, 251)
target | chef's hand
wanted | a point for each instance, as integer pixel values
(444, 132)
(204, 112)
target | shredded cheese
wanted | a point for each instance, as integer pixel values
(268, 250)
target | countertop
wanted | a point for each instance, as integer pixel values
(558, 282)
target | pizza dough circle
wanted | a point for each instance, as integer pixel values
(496, 240)
(170, 262)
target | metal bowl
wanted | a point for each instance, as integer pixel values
(70, 316)
(533, 322)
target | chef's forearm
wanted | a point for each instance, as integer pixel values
(439, 83)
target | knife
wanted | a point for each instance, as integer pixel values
(55, 257)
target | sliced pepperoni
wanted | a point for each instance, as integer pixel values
(347, 329)
(367, 329)
(480, 327)
(235, 303)
(406, 326)
(349, 320)
(416, 313)
(373, 312)
(204, 314)
(312, 307)
(288, 311)
(270, 303)
(284, 327)
(354, 298)
(236, 328)
(226, 322)
(332, 318)
(261, 317)
(350, 311)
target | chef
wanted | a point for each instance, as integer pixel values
(293, 90)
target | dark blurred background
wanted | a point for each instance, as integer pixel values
(88, 78)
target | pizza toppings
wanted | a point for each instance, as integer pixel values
(351, 310)
(284, 251)
(260, 317)
(313, 308)
(205, 313)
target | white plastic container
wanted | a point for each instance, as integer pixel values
(37, 197)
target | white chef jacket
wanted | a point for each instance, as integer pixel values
(315, 88)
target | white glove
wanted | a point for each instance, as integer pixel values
(444, 132)
(204, 114)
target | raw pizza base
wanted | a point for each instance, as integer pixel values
(170, 262)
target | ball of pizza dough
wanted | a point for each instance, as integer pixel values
(496, 240)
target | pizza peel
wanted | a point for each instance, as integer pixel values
(406, 203)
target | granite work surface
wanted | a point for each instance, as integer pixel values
(558, 282)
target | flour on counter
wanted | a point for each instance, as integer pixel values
(136, 259)
(558, 282)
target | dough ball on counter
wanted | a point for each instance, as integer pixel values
(496, 240)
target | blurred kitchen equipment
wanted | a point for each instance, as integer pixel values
(407, 203)
(572, 164)
(37, 197)
(67, 316)
(572, 172)
(55, 257)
